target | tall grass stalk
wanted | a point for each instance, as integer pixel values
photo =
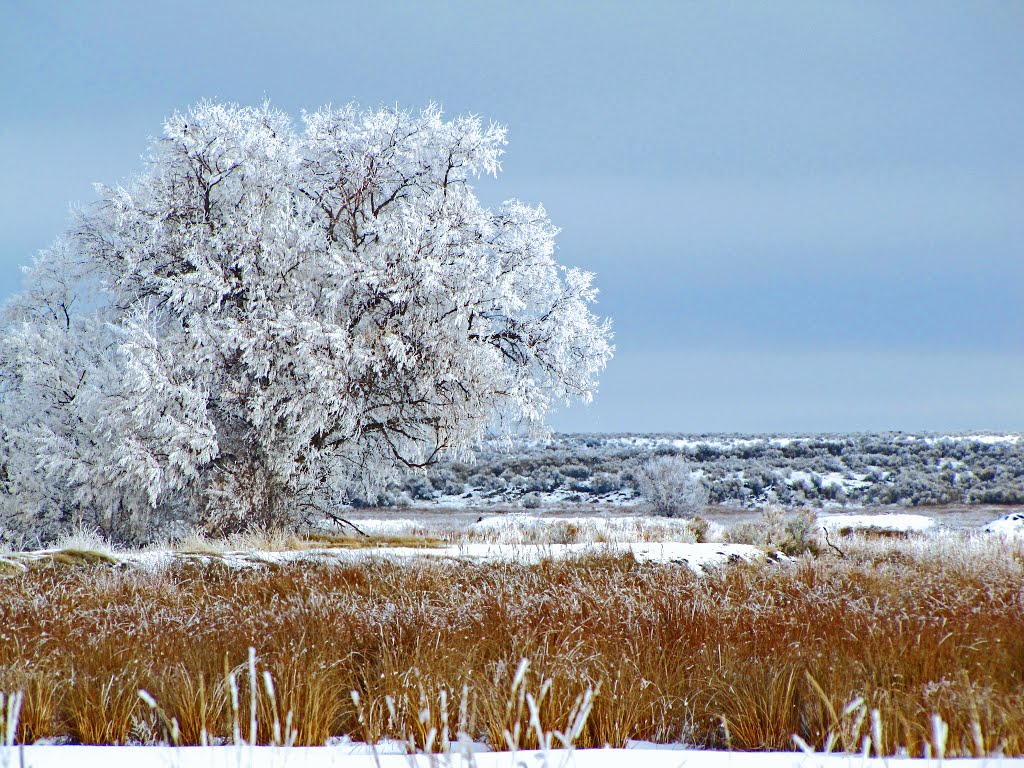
(10, 711)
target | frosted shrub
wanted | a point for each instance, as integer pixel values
(671, 487)
(793, 531)
(604, 482)
(418, 487)
(790, 531)
(700, 528)
(531, 500)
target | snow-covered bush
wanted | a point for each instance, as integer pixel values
(267, 320)
(418, 486)
(671, 487)
(530, 501)
(790, 531)
(700, 528)
(444, 480)
(604, 482)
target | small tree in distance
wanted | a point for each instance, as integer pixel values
(266, 317)
(671, 487)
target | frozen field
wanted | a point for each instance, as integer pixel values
(524, 538)
(607, 516)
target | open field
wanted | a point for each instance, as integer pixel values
(869, 639)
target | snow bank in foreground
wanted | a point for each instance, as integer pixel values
(350, 757)
(896, 522)
(696, 556)
(1008, 525)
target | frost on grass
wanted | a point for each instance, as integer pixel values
(743, 657)
(270, 320)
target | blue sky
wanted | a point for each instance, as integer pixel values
(802, 215)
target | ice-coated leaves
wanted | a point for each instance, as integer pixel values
(266, 318)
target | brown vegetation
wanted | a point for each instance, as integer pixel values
(744, 658)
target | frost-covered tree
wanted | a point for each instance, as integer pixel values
(267, 317)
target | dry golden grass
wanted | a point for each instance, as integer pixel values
(743, 658)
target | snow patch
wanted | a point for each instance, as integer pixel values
(1008, 525)
(698, 557)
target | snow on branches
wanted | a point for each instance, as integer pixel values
(267, 317)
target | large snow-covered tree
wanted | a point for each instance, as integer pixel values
(267, 317)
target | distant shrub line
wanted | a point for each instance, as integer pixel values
(750, 471)
(862, 469)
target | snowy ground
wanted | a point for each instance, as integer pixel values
(519, 527)
(349, 757)
(522, 538)
(512, 527)
(698, 557)
(1008, 525)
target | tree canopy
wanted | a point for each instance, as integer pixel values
(266, 318)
